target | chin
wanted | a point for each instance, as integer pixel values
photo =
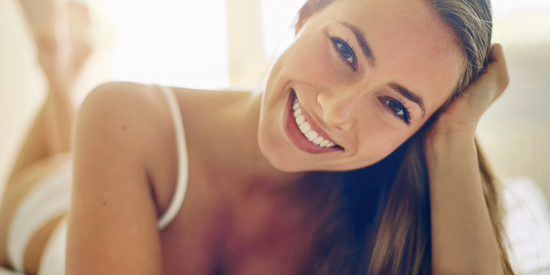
(278, 155)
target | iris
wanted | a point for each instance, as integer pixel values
(394, 106)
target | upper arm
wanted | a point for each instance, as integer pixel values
(113, 218)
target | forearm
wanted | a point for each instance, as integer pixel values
(462, 236)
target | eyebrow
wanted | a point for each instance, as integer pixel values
(410, 95)
(367, 52)
(362, 42)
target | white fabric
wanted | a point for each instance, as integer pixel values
(181, 186)
(53, 257)
(48, 199)
(51, 198)
(527, 225)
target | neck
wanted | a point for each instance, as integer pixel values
(238, 159)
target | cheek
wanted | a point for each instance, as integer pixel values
(311, 61)
(376, 140)
(306, 61)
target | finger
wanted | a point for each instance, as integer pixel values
(496, 54)
(498, 66)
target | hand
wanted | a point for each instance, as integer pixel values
(463, 113)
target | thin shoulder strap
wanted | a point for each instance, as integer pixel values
(183, 169)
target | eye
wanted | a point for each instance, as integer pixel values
(398, 109)
(345, 52)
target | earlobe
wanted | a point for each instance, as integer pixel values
(308, 9)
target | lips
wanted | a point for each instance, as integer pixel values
(315, 140)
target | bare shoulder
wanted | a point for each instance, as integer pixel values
(135, 118)
(141, 106)
(125, 103)
(137, 113)
(113, 195)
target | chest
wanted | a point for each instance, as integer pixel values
(207, 238)
(218, 243)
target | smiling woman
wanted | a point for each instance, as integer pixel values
(426, 47)
(357, 158)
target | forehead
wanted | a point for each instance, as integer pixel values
(412, 44)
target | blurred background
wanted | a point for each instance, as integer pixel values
(222, 43)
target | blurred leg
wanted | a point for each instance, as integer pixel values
(50, 134)
(60, 32)
(81, 42)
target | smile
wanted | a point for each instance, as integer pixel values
(305, 127)
(304, 132)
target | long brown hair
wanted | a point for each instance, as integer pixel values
(380, 219)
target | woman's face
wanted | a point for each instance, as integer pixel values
(366, 75)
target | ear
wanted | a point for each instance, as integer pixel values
(308, 9)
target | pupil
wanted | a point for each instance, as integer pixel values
(395, 107)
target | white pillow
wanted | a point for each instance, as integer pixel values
(527, 224)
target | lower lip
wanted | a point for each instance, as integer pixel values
(296, 136)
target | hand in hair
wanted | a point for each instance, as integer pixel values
(466, 229)
(463, 113)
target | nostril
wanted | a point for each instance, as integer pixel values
(320, 107)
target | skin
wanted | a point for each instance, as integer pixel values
(462, 237)
(250, 206)
(61, 35)
(410, 48)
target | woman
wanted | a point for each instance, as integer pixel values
(359, 157)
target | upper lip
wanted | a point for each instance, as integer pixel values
(314, 125)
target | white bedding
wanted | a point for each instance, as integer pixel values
(528, 226)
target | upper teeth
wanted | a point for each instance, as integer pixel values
(305, 128)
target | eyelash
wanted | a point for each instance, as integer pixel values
(338, 45)
(406, 114)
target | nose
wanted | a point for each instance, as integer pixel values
(338, 107)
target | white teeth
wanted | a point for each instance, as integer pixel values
(305, 127)
(318, 140)
(300, 120)
(311, 135)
